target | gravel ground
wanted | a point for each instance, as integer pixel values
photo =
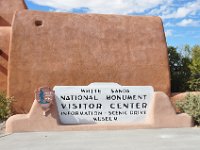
(2, 126)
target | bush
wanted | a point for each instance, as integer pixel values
(190, 105)
(194, 84)
(5, 106)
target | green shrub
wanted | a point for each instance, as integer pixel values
(5, 106)
(190, 105)
(194, 84)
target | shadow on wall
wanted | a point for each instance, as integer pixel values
(3, 70)
(3, 22)
(3, 54)
(5, 57)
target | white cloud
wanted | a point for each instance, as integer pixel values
(103, 6)
(188, 22)
(166, 9)
(168, 33)
(168, 24)
(163, 9)
(190, 8)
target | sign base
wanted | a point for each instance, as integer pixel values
(161, 115)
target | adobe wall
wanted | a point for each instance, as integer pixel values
(4, 47)
(7, 10)
(51, 49)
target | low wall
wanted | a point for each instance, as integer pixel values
(160, 115)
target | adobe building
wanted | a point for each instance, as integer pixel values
(7, 11)
(48, 49)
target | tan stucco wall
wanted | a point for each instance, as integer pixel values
(78, 49)
(7, 10)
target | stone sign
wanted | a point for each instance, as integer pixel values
(102, 103)
(98, 106)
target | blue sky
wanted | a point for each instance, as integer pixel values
(181, 18)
